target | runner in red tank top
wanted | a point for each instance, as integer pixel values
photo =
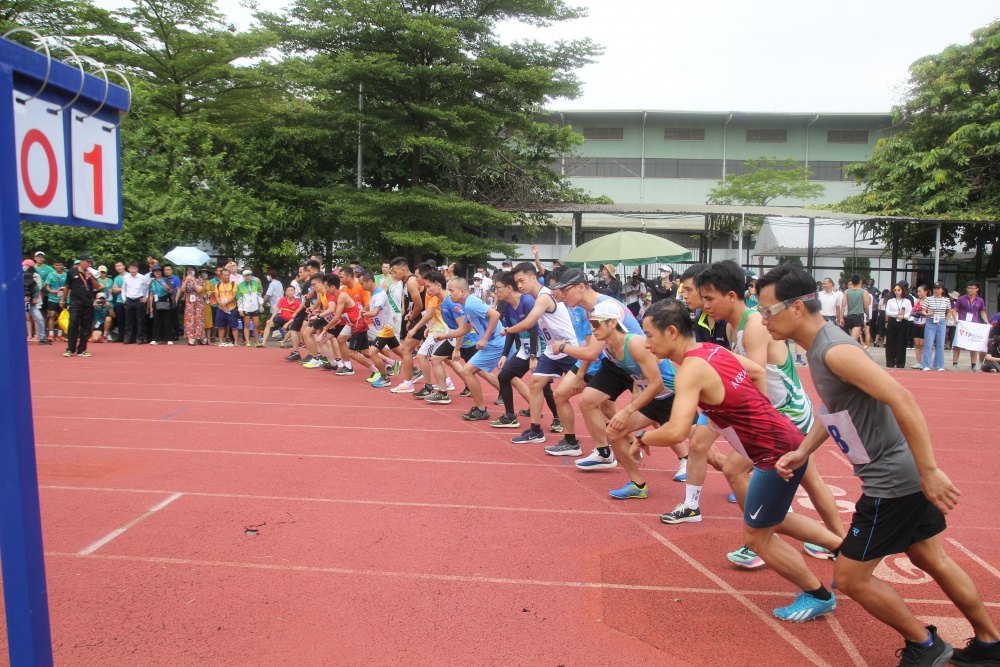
(729, 389)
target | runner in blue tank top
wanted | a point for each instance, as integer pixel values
(609, 382)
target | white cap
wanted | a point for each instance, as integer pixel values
(667, 268)
(478, 276)
(101, 295)
(608, 310)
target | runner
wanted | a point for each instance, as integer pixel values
(652, 395)
(879, 427)
(485, 320)
(346, 315)
(554, 324)
(729, 389)
(309, 299)
(721, 287)
(412, 307)
(379, 316)
(447, 355)
(609, 381)
(427, 328)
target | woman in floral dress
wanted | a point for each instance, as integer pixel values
(194, 307)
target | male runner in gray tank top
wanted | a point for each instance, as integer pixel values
(878, 427)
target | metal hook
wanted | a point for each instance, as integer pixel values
(48, 62)
(56, 43)
(128, 87)
(100, 68)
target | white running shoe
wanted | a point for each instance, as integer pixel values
(682, 471)
(594, 461)
(403, 388)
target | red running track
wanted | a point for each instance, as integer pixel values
(223, 507)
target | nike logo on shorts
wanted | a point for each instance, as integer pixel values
(754, 515)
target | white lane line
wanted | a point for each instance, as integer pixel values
(128, 399)
(989, 568)
(276, 424)
(852, 650)
(118, 531)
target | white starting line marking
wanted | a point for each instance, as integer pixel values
(118, 531)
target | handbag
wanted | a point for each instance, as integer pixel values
(163, 305)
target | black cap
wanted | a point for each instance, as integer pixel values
(571, 277)
(86, 258)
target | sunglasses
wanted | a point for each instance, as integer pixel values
(771, 311)
(596, 322)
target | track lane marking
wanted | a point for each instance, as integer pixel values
(989, 568)
(88, 550)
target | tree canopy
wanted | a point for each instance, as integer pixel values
(943, 156)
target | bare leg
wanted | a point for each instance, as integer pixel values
(822, 499)
(856, 580)
(469, 373)
(781, 557)
(737, 471)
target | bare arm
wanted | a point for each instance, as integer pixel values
(413, 288)
(688, 384)
(531, 319)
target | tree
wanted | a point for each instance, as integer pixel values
(448, 110)
(856, 265)
(64, 19)
(943, 158)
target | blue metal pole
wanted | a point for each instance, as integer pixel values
(25, 597)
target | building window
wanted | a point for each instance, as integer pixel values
(603, 133)
(767, 136)
(684, 134)
(603, 167)
(847, 137)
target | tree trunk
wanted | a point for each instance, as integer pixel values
(415, 168)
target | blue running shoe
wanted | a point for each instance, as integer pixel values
(745, 557)
(732, 498)
(630, 490)
(381, 382)
(816, 551)
(805, 608)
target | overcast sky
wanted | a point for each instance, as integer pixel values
(746, 55)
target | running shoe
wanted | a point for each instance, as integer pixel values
(557, 426)
(800, 362)
(505, 421)
(476, 415)
(529, 435)
(466, 393)
(806, 607)
(396, 367)
(682, 514)
(916, 367)
(925, 368)
(731, 498)
(67, 353)
(450, 386)
(376, 375)
(381, 382)
(154, 342)
(975, 654)
(84, 354)
(524, 413)
(564, 448)
(816, 551)
(403, 388)
(594, 461)
(313, 363)
(417, 374)
(630, 490)
(682, 471)
(976, 368)
(45, 341)
(745, 557)
(439, 397)
(424, 393)
(499, 401)
(343, 370)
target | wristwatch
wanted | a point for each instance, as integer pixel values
(562, 346)
(638, 436)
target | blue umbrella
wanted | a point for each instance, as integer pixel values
(187, 256)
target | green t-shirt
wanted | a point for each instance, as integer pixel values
(55, 282)
(117, 282)
(44, 271)
(100, 312)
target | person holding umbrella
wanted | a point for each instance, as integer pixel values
(192, 290)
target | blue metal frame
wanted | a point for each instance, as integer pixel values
(25, 597)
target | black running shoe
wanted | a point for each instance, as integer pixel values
(526, 413)
(424, 393)
(476, 415)
(466, 393)
(505, 421)
(975, 654)
(915, 655)
(294, 356)
(557, 426)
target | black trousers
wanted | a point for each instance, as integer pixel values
(517, 367)
(135, 316)
(120, 321)
(81, 322)
(896, 334)
(163, 324)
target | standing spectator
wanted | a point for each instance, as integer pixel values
(135, 292)
(918, 325)
(249, 302)
(32, 300)
(830, 303)
(53, 288)
(175, 311)
(856, 303)
(609, 283)
(225, 316)
(274, 290)
(969, 307)
(936, 309)
(635, 292)
(192, 295)
(879, 318)
(161, 307)
(663, 287)
(477, 286)
(897, 313)
(80, 288)
(118, 300)
(750, 295)
(103, 319)
(104, 280)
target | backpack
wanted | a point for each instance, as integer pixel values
(30, 286)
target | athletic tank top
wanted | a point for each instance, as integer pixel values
(855, 301)
(864, 428)
(352, 318)
(555, 325)
(629, 365)
(707, 333)
(745, 417)
(784, 389)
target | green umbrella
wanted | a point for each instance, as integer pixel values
(632, 248)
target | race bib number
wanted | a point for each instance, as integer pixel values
(193, 298)
(732, 438)
(968, 317)
(841, 428)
